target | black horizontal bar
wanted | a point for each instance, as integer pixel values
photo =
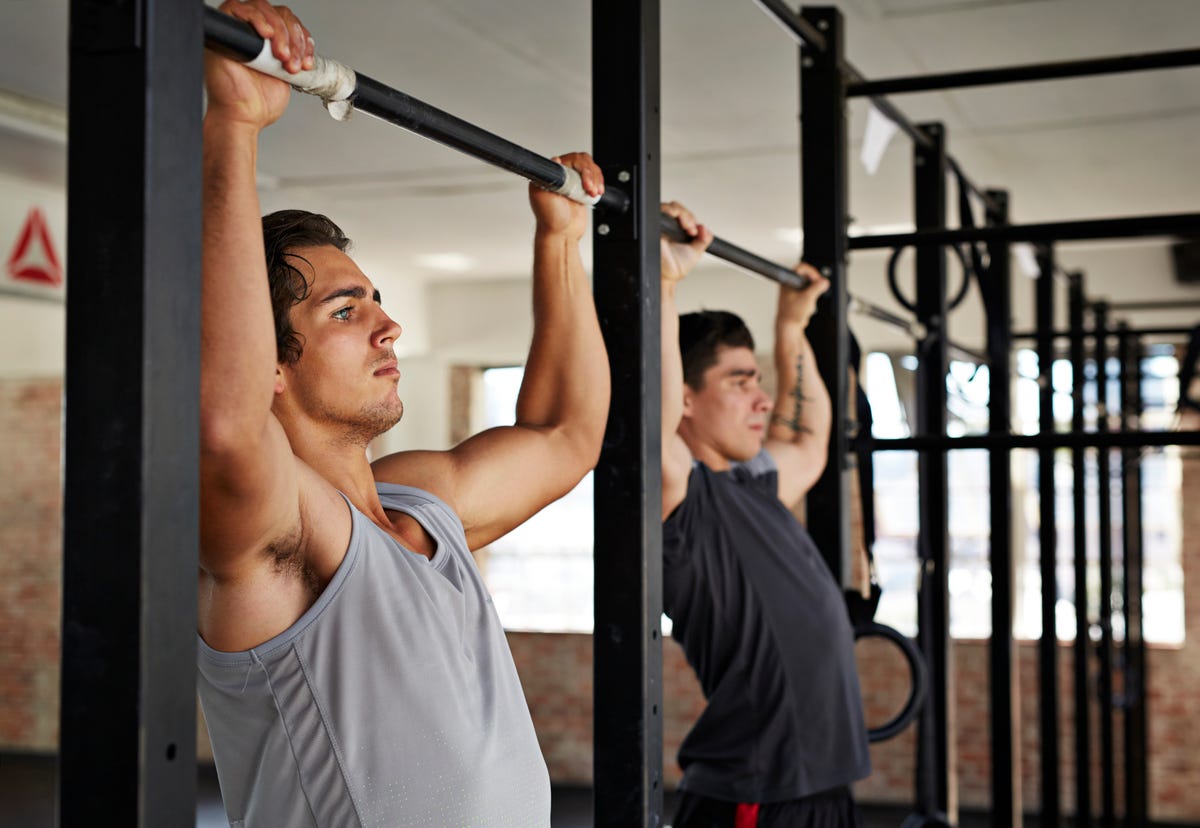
(1167, 331)
(416, 116)
(1165, 305)
(1028, 72)
(1113, 439)
(1160, 225)
(738, 256)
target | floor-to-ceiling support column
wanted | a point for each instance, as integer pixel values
(627, 646)
(131, 490)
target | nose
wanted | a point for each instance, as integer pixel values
(764, 402)
(388, 331)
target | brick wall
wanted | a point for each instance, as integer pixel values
(30, 563)
(557, 669)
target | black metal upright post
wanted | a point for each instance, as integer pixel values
(131, 490)
(997, 300)
(936, 791)
(1133, 683)
(1081, 650)
(1104, 685)
(1051, 816)
(627, 647)
(824, 205)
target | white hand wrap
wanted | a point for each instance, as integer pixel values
(572, 188)
(328, 80)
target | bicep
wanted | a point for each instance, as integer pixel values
(248, 499)
(799, 465)
(495, 480)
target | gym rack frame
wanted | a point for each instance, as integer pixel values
(131, 448)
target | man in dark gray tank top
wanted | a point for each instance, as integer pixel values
(353, 670)
(753, 604)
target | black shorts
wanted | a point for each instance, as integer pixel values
(834, 808)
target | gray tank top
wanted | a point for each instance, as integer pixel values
(393, 701)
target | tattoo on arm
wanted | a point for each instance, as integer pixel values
(797, 395)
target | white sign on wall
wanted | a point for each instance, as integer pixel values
(33, 266)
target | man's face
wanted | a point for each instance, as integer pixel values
(346, 375)
(728, 415)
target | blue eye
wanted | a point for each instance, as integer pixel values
(343, 313)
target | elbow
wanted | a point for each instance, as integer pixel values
(585, 434)
(227, 436)
(581, 450)
(588, 447)
(217, 434)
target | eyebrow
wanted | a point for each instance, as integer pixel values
(357, 292)
(743, 372)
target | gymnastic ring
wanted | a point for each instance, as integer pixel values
(951, 304)
(917, 673)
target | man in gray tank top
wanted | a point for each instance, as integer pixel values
(753, 604)
(353, 670)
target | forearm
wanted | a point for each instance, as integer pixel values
(566, 383)
(802, 410)
(672, 366)
(237, 332)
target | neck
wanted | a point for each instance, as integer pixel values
(341, 460)
(703, 452)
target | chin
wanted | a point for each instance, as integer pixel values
(379, 420)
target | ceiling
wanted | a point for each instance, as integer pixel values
(1092, 147)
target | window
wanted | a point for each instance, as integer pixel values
(540, 574)
(969, 576)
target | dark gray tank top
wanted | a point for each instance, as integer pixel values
(764, 625)
(393, 701)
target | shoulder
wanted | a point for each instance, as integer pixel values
(760, 472)
(420, 503)
(429, 472)
(759, 465)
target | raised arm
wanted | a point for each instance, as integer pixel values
(499, 478)
(248, 483)
(798, 436)
(678, 259)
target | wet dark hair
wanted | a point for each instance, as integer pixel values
(283, 232)
(702, 334)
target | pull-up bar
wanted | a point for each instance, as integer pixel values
(343, 89)
(736, 255)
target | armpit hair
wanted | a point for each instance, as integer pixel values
(288, 557)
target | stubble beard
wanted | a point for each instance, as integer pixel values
(360, 429)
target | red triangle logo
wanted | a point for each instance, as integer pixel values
(33, 258)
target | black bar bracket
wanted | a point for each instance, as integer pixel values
(618, 224)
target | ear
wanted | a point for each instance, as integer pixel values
(279, 383)
(688, 396)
